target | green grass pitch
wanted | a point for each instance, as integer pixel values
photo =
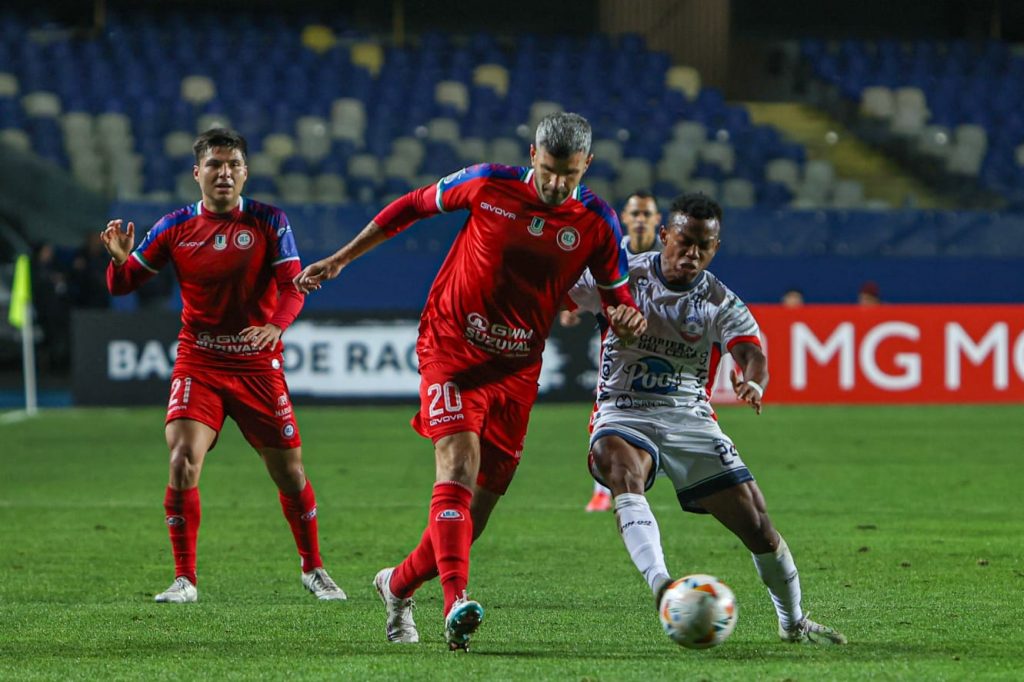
(906, 523)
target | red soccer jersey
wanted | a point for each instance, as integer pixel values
(495, 297)
(235, 270)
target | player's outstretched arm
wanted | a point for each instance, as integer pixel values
(315, 274)
(118, 243)
(754, 365)
(626, 321)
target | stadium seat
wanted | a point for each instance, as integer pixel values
(965, 159)
(601, 188)
(738, 193)
(313, 136)
(508, 151)
(877, 102)
(472, 150)
(16, 138)
(541, 108)
(678, 161)
(8, 84)
(847, 194)
(348, 120)
(262, 164)
(934, 140)
(279, 146)
(702, 186)
(785, 171)
(633, 173)
(399, 167)
(210, 121)
(178, 143)
(911, 112)
(40, 104)
(971, 135)
(78, 129)
(693, 133)
(720, 154)
(443, 130)
(113, 130)
(329, 188)
(493, 76)
(368, 54)
(185, 187)
(364, 167)
(197, 89)
(408, 148)
(819, 172)
(453, 93)
(295, 187)
(607, 150)
(685, 79)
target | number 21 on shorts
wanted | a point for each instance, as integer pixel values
(179, 391)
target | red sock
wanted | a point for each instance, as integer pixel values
(451, 533)
(300, 510)
(417, 568)
(183, 514)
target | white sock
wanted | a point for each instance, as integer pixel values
(598, 488)
(639, 531)
(778, 572)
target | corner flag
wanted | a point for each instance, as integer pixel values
(21, 292)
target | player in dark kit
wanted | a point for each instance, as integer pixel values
(235, 260)
(530, 234)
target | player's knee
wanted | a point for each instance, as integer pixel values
(621, 470)
(185, 459)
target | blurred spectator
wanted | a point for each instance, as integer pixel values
(89, 274)
(869, 294)
(52, 305)
(793, 298)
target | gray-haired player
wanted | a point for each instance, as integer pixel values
(654, 414)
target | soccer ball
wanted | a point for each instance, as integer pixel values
(698, 611)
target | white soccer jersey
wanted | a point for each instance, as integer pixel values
(674, 362)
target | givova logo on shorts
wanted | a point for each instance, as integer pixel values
(652, 375)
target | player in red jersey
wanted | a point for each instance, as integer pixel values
(235, 260)
(530, 234)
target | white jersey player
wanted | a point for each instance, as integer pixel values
(653, 412)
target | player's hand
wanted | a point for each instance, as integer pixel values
(315, 274)
(262, 337)
(745, 392)
(118, 243)
(626, 321)
(568, 318)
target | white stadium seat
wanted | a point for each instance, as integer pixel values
(198, 89)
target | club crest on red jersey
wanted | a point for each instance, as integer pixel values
(243, 239)
(536, 227)
(220, 242)
(568, 238)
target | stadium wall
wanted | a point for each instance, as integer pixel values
(817, 355)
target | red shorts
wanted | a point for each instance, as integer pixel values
(259, 404)
(497, 411)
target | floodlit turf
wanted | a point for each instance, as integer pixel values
(906, 524)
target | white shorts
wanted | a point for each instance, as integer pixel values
(698, 458)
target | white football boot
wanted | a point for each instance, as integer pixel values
(181, 591)
(320, 584)
(400, 625)
(462, 621)
(806, 631)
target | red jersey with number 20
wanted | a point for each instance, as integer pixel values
(495, 297)
(235, 270)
